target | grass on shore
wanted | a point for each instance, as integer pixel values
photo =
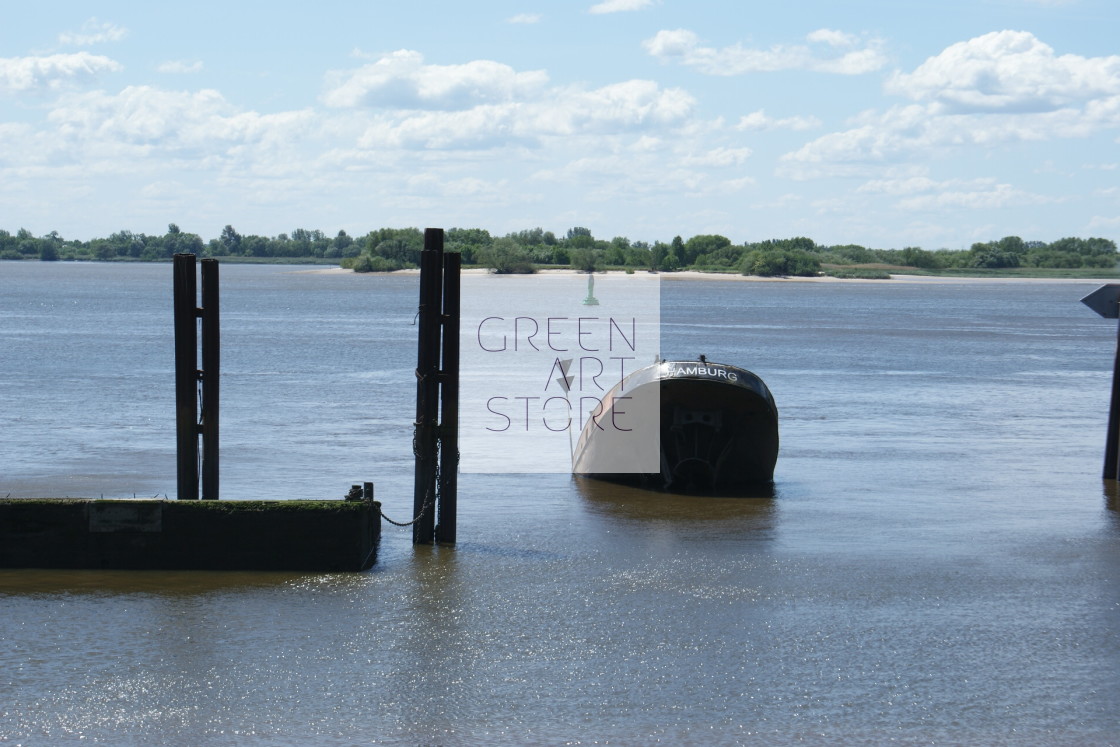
(881, 271)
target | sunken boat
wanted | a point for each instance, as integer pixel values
(717, 426)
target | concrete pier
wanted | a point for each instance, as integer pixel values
(189, 535)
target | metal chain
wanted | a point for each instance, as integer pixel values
(428, 502)
(356, 493)
(424, 510)
(439, 451)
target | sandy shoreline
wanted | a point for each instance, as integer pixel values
(691, 275)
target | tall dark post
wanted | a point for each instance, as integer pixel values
(211, 358)
(186, 375)
(449, 403)
(1112, 439)
(427, 387)
(1106, 302)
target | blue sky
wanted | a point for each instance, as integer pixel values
(874, 122)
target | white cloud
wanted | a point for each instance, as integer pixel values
(759, 121)
(402, 79)
(991, 197)
(901, 132)
(608, 177)
(924, 193)
(1000, 88)
(677, 43)
(406, 103)
(782, 202)
(1008, 71)
(180, 67)
(719, 157)
(93, 32)
(826, 54)
(648, 144)
(899, 186)
(631, 103)
(53, 72)
(140, 114)
(464, 187)
(833, 38)
(526, 18)
(1104, 223)
(619, 6)
(122, 132)
(563, 112)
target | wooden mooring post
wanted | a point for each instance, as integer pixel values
(192, 417)
(447, 508)
(436, 442)
(211, 359)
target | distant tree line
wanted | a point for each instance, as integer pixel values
(389, 249)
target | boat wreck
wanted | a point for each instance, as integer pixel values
(718, 427)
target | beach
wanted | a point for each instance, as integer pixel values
(710, 276)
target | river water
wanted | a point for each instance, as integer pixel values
(939, 563)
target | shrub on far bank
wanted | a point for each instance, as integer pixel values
(506, 256)
(775, 262)
(367, 263)
(857, 273)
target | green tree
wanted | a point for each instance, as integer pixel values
(1012, 245)
(506, 256)
(850, 254)
(990, 256)
(585, 259)
(538, 237)
(637, 255)
(676, 254)
(614, 254)
(780, 261)
(103, 249)
(469, 242)
(579, 238)
(255, 246)
(913, 256)
(401, 244)
(343, 240)
(175, 241)
(230, 241)
(702, 244)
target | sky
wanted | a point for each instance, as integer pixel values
(883, 123)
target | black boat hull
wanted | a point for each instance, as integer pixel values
(718, 429)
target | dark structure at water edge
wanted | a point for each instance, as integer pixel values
(718, 429)
(190, 535)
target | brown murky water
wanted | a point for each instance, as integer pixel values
(939, 563)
